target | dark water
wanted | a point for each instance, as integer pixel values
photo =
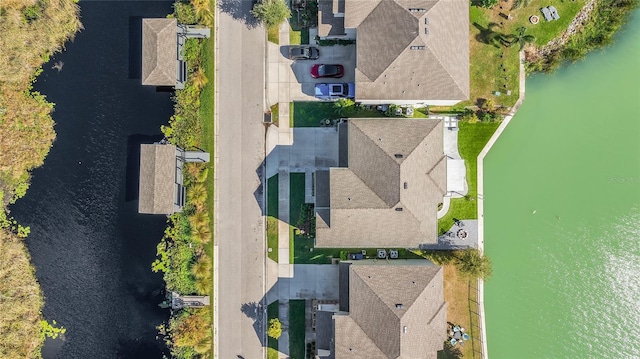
(91, 248)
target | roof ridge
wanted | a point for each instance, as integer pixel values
(431, 170)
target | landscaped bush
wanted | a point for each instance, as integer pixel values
(184, 13)
(332, 42)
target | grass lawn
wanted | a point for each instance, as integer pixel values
(309, 114)
(207, 107)
(296, 200)
(273, 35)
(297, 34)
(272, 344)
(471, 140)
(460, 298)
(495, 68)
(272, 217)
(303, 254)
(297, 329)
(275, 114)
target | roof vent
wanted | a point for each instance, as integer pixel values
(406, 185)
(426, 21)
(404, 329)
(417, 47)
(399, 209)
(399, 306)
(426, 31)
(398, 155)
(417, 9)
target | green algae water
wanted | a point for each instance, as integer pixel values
(562, 213)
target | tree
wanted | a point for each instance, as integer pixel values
(189, 330)
(520, 37)
(275, 328)
(473, 264)
(271, 12)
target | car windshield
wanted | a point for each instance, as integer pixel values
(327, 70)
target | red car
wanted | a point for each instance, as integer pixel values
(321, 70)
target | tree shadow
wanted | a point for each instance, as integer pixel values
(240, 10)
(488, 35)
(450, 352)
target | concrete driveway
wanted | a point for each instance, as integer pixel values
(312, 281)
(297, 73)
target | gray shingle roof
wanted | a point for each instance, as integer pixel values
(388, 194)
(396, 310)
(157, 179)
(389, 69)
(159, 52)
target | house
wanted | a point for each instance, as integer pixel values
(161, 188)
(408, 52)
(385, 192)
(162, 44)
(387, 309)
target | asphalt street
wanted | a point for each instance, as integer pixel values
(239, 232)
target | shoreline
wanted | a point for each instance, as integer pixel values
(480, 188)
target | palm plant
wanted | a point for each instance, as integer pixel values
(203, 346)
(200, 219)
(520, 37)
(202, 268)
(198, 78)
(203, 11)
(201, 234)
(197, 195)
(204, 285)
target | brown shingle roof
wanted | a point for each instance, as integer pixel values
(396, 310)
(388, 195)
(388, 69)
(157, 179)
(159, 52)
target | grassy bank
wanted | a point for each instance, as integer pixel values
(30, 32)
(185, 253)
(605, 20)
(472, 138)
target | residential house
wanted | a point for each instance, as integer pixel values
(387, 310)
(163, 41)
(408, 52)
(386, 190)
(161, 188)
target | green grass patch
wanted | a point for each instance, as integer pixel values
(310, 114)
(297, 329)
(273, 35)
(305, 253)
(471, 140)
(272, 344)
(275, 114)
(296, 196)
(272, 217)
(295, 37)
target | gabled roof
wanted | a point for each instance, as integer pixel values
(157, 179)
(388, 194)
(396, 310)
(410, 50)
(159, 52)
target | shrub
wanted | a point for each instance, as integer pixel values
(275, 328)
(184, 13)
(473, 264)
(486, 3)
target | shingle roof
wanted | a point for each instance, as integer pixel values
(389, 69)
(157, 179)
(388, 194)
(396, 310)
(159, 52)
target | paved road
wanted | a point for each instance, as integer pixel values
(239, 232)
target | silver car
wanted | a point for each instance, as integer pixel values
(303, 53)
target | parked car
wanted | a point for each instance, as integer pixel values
(335, 91)
(303, 53)
(322, 70)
